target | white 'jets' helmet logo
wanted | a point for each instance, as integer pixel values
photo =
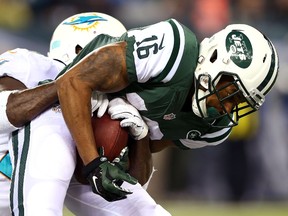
(240, 49)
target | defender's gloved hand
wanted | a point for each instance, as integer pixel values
(106, 178)
(99, 101)
(121, 109)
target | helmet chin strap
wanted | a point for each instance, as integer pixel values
(200, 111)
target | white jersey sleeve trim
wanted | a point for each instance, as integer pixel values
(152, 50)
(180, 53)
(216, 134)
(192, 144)
(208, 139)
(154, 47)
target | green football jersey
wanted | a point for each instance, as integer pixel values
(161, 60)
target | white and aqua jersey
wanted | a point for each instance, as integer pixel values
(161, 59)
(27, 67)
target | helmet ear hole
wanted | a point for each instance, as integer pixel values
(214, 56)
(78, 48)
(264, 59)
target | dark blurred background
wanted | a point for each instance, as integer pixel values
(253, 164)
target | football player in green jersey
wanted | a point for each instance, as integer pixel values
(189, 94)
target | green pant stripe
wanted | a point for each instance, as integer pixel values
(15, 143)
(22, 167)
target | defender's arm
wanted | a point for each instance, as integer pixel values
(24, 105)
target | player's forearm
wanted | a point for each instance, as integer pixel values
(102, 70)
(141, 163)
(74, 98)
(25, 105)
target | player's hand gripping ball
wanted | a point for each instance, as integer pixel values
(108, 134)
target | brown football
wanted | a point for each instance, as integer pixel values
(108, 134)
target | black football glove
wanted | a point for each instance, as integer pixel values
(105, 179)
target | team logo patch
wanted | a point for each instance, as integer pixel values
(3, 61)
(85, 22)
(193, 134)
(170, 116)
(240, 48)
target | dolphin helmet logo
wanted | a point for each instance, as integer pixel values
(85, 22)
(3, 61)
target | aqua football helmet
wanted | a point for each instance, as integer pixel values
(244, 53)
(78, 30)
